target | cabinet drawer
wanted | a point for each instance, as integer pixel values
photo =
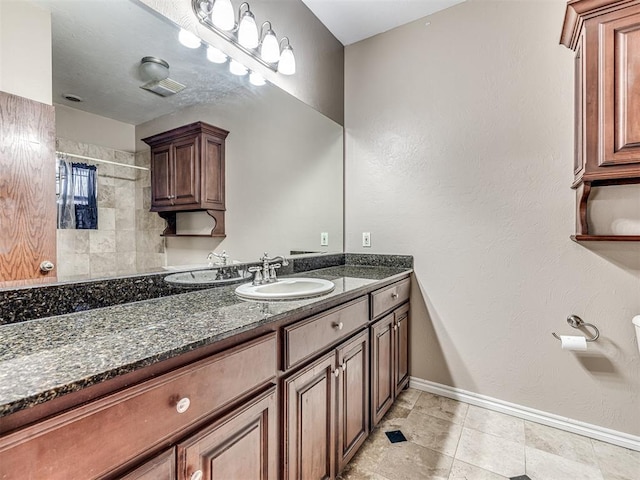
(390, 297)
(306, 338)
(93, 440)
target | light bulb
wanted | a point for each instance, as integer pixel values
(216, 56)
(248, 31)
(287, 63)
(188, 39)
(256, 79)
(206, 6)
(270, 50)
(237, 68)
(222, 15)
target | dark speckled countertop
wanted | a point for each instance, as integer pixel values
(49, 357)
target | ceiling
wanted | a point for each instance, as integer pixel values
(353, 20)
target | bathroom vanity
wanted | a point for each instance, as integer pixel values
(205, 385)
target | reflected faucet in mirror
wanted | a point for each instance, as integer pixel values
(222, 258)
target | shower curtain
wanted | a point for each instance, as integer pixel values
(64, 190)
(77, 194)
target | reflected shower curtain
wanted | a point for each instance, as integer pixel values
(64, 191)
(85, 195)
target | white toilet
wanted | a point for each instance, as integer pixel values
(636, 322)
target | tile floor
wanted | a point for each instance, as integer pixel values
(452, 440)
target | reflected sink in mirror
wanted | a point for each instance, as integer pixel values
(286, 289)
(207, 278)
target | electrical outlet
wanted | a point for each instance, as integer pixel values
(324, 239)
(366, 239)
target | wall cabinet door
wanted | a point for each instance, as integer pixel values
(353, 398)
(186, 171)
(309, 426)
(242, 445)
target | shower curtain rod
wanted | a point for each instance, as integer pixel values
(102, 161)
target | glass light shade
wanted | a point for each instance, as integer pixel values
(206, 6)
(216, 56)
(188, 39)
(256, 79)
(153, 71)
(237, 68)
(287, 63)
(248, 31)
(222, 15)
(270, 50)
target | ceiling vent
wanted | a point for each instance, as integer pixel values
(164, 88)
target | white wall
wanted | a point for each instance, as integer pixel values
(25, 50)
(459, 151)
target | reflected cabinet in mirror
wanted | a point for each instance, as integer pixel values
(283, 159)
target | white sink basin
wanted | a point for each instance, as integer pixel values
(206, 278)
(286, 289)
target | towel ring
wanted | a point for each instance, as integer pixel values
(576, 322)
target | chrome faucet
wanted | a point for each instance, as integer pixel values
(223, 258)
(267, 273)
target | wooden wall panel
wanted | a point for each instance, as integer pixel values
(27, 190)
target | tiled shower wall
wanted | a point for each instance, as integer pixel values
(127, 240)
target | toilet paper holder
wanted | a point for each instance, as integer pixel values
(576, 322)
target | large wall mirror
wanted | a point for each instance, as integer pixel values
(284, 160)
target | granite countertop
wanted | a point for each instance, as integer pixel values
(49, 357)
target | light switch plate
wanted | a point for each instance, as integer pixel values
(366, 239)
(324, 239)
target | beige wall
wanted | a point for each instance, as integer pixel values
(459, 151)
(283, 178)
(25, 50)
(319, 80)
(74, 124)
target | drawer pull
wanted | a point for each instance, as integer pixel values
(344, 366)
(395, 327)
(394, 295)
(338, 325)
(336, 372)
(197, 475)
(182, 406)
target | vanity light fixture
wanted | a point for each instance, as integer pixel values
(218, 16)
(247, 28)
(153, 69)
(256, 79)
(237, 68)
(216, 56)
(287, 63)
(188, 39)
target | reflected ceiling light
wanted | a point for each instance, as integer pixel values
(216, 56)
(287, 63)
(188, 39)
(237, 68)
(269, 48)
(218, 16)
(153, 69)
(256, 79)
(222, 15)
(247, 28)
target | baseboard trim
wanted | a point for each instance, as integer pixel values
(563, 423)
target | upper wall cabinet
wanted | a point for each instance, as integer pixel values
(187, 173)
(605, 35)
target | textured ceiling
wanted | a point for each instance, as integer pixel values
(97, 47)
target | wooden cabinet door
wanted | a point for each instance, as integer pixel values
(242, 445)
(309, 426)
(27, 191)
(619, 72)
(162, 179)
(186, 164)
(353, 397)
(382, 367)
(162, 467)
(213, 172)
(401, 333)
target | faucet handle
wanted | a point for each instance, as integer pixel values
(257, 275)
(272, 274)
